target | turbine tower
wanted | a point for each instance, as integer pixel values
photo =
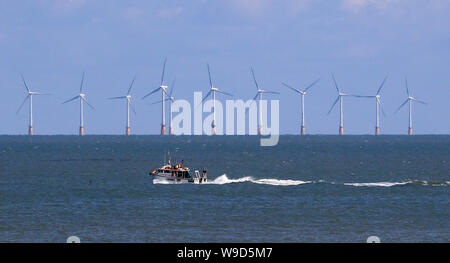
(163, 88)
(259, 92)
(410, 99)
(340, 98)
(377, 105)
(128, 98)
(303, 93)
(213, 90)
(83, 99)
(30, 97)
(171, 99)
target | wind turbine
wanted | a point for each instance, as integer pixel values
(303, 93)
(83, 99)
(410, 99)
(378, 106)
(259, 92)
(171, 99)
(128, 98)
(30, 97)
(340, 98)
(163, 88)
(213, 91)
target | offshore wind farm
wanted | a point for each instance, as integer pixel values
(258, 99)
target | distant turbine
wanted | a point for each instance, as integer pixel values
(83, 99)
(340, 98)
(410, 99)
(163, 88)
(303, 93)
(30, 97)
(213, 91)
(128, 98)
(377, 105)
(259, 92)
(171, 99)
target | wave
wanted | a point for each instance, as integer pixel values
(379, 184)
(409, 182)
(223, 179)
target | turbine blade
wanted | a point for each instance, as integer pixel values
(403, 104)
(251, 103)
(381, 86)
(209, 74)
(207, 95)
(312, 84)
(131, 85)
(81, 85)
(407, 89)
(132, 108)
(44, 94)
(69, 100)
(164, 69)
(254, 79)
(153, 92)
(336, 101)
(335, 83)
(226, 93)
(25, 83)
(23, 103)
(172, 87)
(270, 92)
(114, 98)
(85, 100)
(294, 89)
(362, 96)
(382, 111)
(157, 102)
(420, 101)
(165, 92)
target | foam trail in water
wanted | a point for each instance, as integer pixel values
(382, 184)
(223, 179)
(163, 181)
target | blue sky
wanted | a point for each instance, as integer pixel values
(361, 41)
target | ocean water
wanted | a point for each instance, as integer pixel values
(305, 189)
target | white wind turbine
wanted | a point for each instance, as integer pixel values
(378, 106)
(259, 92)
(83, 99)
(128, 98)
(303, 93)
(30, 97)
(163, 88)
(410, 99)
(213, 90)
(171, 99)
(340, 98)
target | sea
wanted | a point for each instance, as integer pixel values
(305, 189)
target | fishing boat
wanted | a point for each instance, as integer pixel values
(178, 173)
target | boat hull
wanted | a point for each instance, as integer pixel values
(175, 180)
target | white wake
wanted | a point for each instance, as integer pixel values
(223, 179)
(378, 184)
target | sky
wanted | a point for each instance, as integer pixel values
(52, 42)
